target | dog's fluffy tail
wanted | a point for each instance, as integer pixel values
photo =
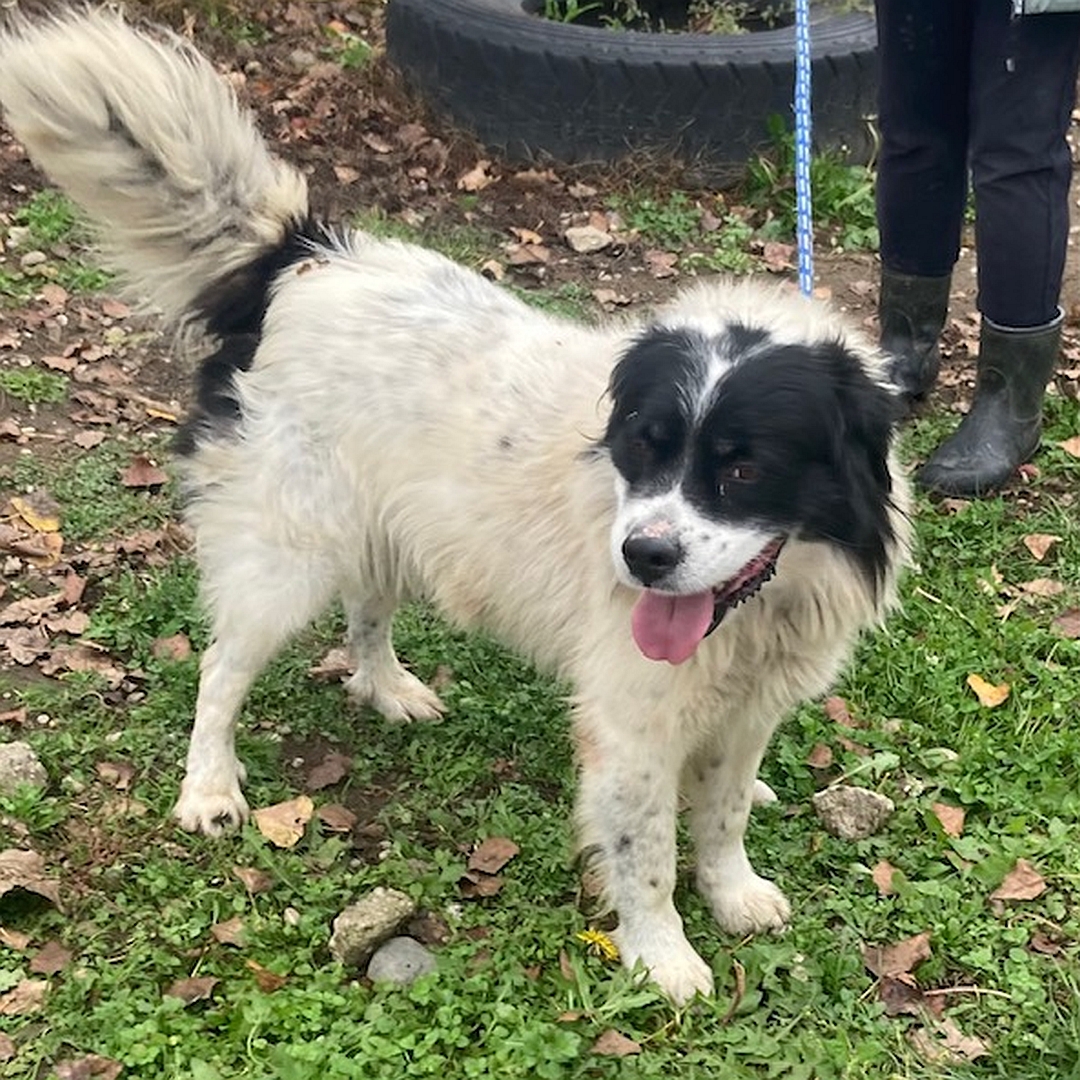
(140, 130)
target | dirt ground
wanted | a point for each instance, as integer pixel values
(365, 145)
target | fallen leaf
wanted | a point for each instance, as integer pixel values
(1071, 446)
(283, 824)
(230, 932)
(836, 709)
(336, 818)
(177, 647)
(14, 939)
(7, 1048)
(1044, 587)
(661, 264)
(25, 997)
(49, 959)
(1067, 624)
(882, 876)
(614, 1044)
(1045, 944)
(255, 881)
(26, 643)
(951, 818)
(476, 885)
(820, 757)
(191, 990)
(84, 656)
(778, 256)
(143, 473)
(1022, 882)
(901, 996)
(39, 510)
(268, 980)
(91, 1067)
(87, 440)
(492, 854)
(946, 1044)
(989, 695)
(477, 178)
(14, 716)
(117, 774)
(334, 665)
(1039, 544)
(333, 768)
(898, 959)
(26, 870)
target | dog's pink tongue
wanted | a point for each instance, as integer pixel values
(671, 627)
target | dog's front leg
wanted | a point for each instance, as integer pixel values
(720, 781)
(626, 811)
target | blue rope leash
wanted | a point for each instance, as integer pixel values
(803, 200)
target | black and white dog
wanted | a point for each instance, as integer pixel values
(691, 519)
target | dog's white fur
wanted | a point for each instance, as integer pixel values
(410, 430)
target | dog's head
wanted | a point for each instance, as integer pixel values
(725, 446)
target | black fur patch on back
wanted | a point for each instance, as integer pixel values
(232, 310)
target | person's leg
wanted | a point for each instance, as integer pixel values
(922, 176)
(1023, 77)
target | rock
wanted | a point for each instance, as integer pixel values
(20, 765)
(400, 961)
(363, 926)
(32, 258)
(301, 59)
(852, 813)
(585, 239)
(18, 235)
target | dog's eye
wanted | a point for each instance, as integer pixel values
(739, 472)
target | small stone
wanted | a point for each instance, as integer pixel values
(301, 59)
(363, 926)
(17, 235)
(586, 239)
(32, 258)
(20, 765)
(852, 813)
(400, 961)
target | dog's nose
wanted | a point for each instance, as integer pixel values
(651, 557)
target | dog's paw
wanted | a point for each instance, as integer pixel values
(399, 697)
(212, 809)
(749, 906)
(671, 963)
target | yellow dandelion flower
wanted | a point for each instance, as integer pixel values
(599, 944)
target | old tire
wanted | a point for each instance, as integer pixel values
(533, 89)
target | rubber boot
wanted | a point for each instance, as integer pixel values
(1002, 429)
(911, 313)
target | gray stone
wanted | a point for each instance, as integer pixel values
(852, 813)
(400, 961)
(32, 258)
(20, 765)
(363, 926)
(586, 239)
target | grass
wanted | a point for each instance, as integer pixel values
(33, 386)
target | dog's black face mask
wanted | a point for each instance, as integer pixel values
(726, 447)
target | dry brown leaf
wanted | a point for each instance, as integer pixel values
(16, 717)
(1067, 624)
(1039, 544)
(946, 1044)
(230, 932)
(26, 870)
(177, 647)
(39, 510)
(836, 709)
(143, 473)
(820, 757)
(25, 997)
(336, 818)
(84, 656)
(1044, 587)
(989, 694)
(477, 178)
(331, 770)
(475, 885)
(1071, 446)
(898, 959)
(14, 939)
(614, 1044)
(91, 1067)
(255, 881)
(7, 1048)
(778, 256)
(87, 440)
(268, 980)
(661, 264)
(901, 995)
(283, 824)
(1022, 882)
(191, 990)
(117, 774)
(49, 959)
(25, 643)
(334, 665)
(951, 818)
(492, 854)
(882, 876)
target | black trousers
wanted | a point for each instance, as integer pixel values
(967, 90)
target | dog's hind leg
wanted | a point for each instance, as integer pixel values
(720, 781)
(258, 595)
(380, 680)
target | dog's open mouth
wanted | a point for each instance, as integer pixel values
(670, 628)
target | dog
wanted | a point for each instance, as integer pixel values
(691, 518)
